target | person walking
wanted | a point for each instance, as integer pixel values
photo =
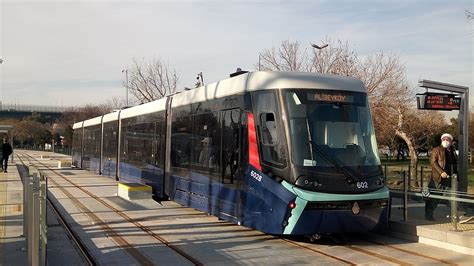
(443, 165)
(6, 151)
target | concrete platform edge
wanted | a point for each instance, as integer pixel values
(430, 235)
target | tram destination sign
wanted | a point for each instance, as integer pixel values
(438, 101)
(333, 97)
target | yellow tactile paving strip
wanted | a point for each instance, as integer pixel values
(461, 227)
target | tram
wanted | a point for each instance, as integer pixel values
(285, 153)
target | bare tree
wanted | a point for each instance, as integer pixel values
(83, 113)
(289, 56)
(337, 58)
(32, 133)
(153, 80)
(469, 14)
(115, 103)
(384, 76)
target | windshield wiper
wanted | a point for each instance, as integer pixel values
(349, 176)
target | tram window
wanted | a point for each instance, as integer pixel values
(181, 136)
(269, 129)
(206, 144)
(110, 141)
(140, 139)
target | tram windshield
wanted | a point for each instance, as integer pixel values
(331, 128)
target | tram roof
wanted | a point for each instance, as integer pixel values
(252, 81)
(77, 125)
(262, 80)
(146, 108)
(111, 116)
(93, 121)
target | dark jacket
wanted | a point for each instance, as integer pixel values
(6, 150)
(438, 162)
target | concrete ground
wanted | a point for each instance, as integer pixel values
(120, 232)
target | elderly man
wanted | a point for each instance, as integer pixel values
(443, 165)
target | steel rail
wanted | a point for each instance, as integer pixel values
(72, 235)
(411, 252)
(318, 251)
(118, 239)
(126, 217)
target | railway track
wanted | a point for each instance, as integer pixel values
(138, 256)
(390, 254)
(358, 247)
(80, 246)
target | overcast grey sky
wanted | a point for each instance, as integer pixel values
(72, 52)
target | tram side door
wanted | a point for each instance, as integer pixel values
(230, 176)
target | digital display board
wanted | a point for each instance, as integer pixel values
(333, 97)
(438, 101)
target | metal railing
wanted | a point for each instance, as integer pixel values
(450, 194)
(35, 227)
(33, 108)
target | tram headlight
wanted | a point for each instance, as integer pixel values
(379, 181)
(306, 181)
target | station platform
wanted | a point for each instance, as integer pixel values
(440, 233)
(120, 232)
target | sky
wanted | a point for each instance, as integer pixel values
(72, 53)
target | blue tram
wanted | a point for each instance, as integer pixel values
(281, 152)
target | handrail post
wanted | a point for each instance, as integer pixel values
(29, 220)
(421, 178)
(409, 176)
(44, 219)
(26, 181)
(454, 203)
(35, 236)
(405, 196)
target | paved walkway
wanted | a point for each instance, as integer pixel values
(11, 218)
(12, 244)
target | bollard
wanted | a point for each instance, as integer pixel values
(26, 180)
(454, 203)
(29, 220)
(36, 223)
(33, 219)
(405, 197)
(43, 230)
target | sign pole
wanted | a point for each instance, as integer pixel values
(463, 124)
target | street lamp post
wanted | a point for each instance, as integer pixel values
(319, 47)
(126, 84)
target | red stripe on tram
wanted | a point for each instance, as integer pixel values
(254, 158)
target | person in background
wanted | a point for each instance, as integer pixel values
(443, 161)
(206, 153)
(6, 151)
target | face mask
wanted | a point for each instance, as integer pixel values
(445, 144)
